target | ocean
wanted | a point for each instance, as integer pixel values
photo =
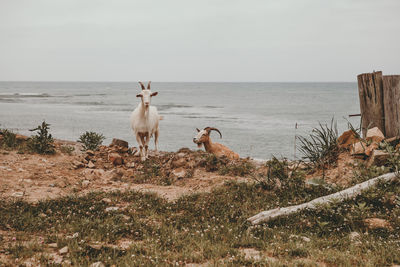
(256, 119)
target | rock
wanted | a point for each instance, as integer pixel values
(90, 152)
(53, 245)
(64, 250)
(354, 236)
(358, 148)
(77, 164)
(347, 139)
(371, 148)
(131, 165)
(85, 183)
(91, 165)
(181, 155)
(75, 235)
(133, 150)
(374, 134)
(115, 159)
(376, 223)
(305, 239)
(179, 173)
(98, 172)
(112, 209)
(106, 200)
(97, 264)
(113, 175)
(119, 142)
(125, 217)
(378, 158)
(179, 163)
(17, 194)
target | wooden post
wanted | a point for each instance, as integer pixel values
(370, 89)
(391, 97)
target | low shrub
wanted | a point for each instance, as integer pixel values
(91, 140)
(9, 139)
(67, 149)
(320, 148)
(42, 142)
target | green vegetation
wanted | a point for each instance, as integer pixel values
(224, 166)
(42, 142)
(151, 170)
(9, 140)
(282, 175)
(91, 140)
(320, 148)
(67, 149)
(209, 228)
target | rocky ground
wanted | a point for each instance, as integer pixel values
(196, 212)
(33, 177)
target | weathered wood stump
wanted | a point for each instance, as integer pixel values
(370, 89)
(391, 97)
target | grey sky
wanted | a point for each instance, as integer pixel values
(203, 40)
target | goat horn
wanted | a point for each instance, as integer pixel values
(142, 85)
(148, 85)
(208, 129)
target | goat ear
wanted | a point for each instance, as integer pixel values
(154, 94)
(148, 85)
(197, 129)
(139, 95)
(142, 85)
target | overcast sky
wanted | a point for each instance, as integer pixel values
(203, 40)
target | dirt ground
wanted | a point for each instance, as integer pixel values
(34, 177)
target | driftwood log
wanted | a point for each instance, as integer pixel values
(348, 193)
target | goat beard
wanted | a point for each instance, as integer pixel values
(199, 145)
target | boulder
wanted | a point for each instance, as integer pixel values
(115, 159)
(378, 158)
(119, 142)
(374, 134)
(347, 139)
(376, 223)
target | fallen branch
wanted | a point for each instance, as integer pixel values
(348, 193)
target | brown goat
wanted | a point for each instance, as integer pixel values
(219, 150)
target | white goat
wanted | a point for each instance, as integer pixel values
(203, 137)
(144, 121)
